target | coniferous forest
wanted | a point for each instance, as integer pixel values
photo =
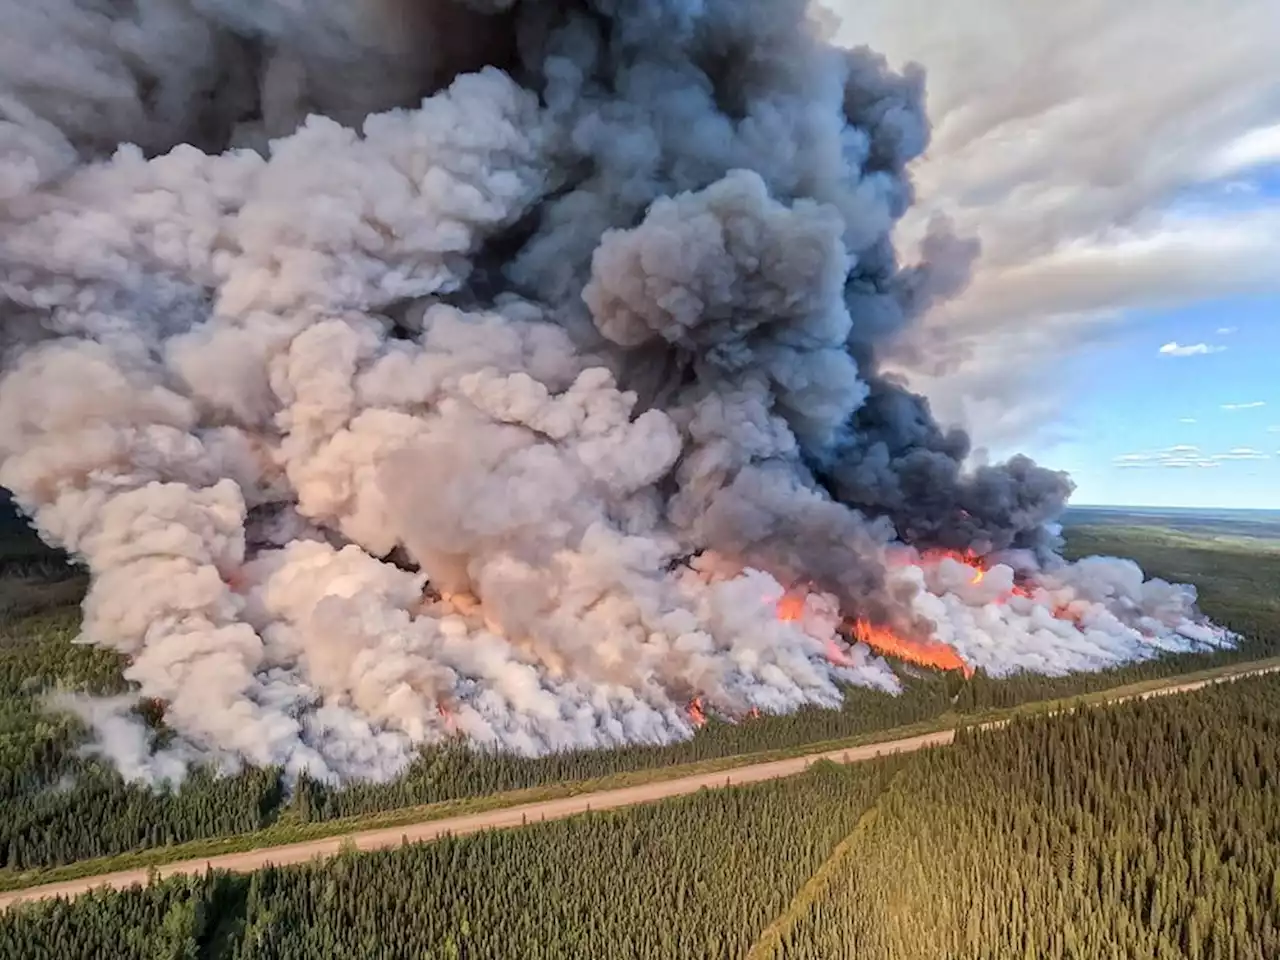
(59, 805)
(1145, 829)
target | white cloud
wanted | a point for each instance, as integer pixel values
(1257, 148)
(1254, 405)
(1227, 331)
(1274, 429)
(1175, 349)
(1066, 136)
(1183, 457)
(1242, 453)
(1188, 420)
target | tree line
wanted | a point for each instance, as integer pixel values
(59, 805)
(689, 878)
(1146, 829)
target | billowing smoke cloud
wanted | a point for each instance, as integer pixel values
(503, 369)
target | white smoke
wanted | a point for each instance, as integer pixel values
(1091, 615)
(404, 424)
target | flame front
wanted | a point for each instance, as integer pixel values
(926, 653)
(696, 713)
(969, 558)
(791, 607)
(930, 653)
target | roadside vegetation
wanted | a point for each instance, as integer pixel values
(1143, 830)
(64, 813)
(1140, 829)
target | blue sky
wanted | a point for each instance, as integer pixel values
(1180, 406)
(1120, 165)
(1147, 428)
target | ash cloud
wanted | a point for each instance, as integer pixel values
(388, 363)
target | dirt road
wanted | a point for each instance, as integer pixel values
(506, 817)
(526, 813)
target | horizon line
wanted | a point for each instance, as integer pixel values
(1136, 506)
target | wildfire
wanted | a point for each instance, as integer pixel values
(447, 713)
(968, 557)
(1068, 612)
(791, 607)
(463, 604)
(696, 713)
(926, 653)
(836, 655)
(971, 559)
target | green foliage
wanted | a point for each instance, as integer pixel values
(169, 921)
(1234, 577)
(58, 806)
(1240, 594)
(449, 771)
(698, 876)
(1145, 830)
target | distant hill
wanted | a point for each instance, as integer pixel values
(1259, 524)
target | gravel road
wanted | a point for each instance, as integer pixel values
(519, 815)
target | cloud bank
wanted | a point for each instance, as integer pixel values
(1175, 349)
(1066, 138)
(1184, 456)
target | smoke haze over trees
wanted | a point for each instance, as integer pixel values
(495, 369)
(1046, 839)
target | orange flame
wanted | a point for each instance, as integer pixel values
(926, 653)
(791, 607)
(975, 562)
(968, 557)
(1065, 611)
(695, 712)
(753, 713)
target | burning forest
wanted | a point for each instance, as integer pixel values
(502, 368)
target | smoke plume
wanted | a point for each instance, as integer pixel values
(503, 368)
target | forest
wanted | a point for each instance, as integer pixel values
(59, 805)
(1148, 830)
(1145, 829)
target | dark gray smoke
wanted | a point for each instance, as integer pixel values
(404, 368)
